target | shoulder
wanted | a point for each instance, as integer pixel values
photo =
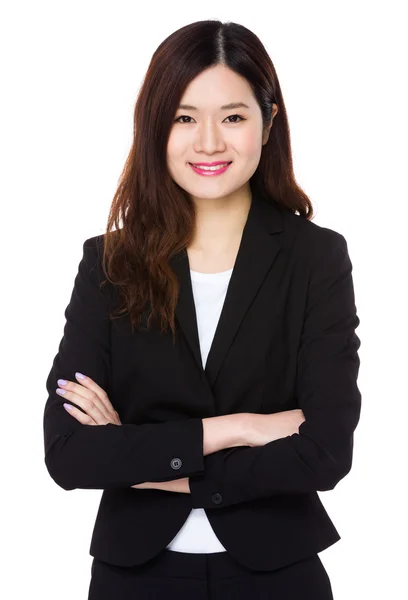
(92, 258)
(313, 240)
(92, 250)
(95, 242)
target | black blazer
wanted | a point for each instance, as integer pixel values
(285, 339)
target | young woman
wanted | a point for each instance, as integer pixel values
(211, 331)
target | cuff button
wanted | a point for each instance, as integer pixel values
(216, 498)
(176, 463)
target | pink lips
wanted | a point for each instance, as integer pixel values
(212, 164)
(210, 173)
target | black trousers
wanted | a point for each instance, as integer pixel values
(215, 576)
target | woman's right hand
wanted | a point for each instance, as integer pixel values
(262, 429)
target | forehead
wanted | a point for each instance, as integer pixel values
(217, 86)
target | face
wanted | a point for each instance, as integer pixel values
(209, 133)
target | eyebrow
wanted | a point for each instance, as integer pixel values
(230, 106)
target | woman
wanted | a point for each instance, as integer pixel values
(212, 333)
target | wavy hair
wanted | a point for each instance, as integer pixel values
(157, 215)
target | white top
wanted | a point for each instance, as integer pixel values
(209, 290)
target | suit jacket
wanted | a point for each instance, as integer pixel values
(285, 339)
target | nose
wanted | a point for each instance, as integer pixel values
(209, 139)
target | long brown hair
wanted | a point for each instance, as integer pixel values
(158, 216)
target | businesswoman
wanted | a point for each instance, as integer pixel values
(206, 380)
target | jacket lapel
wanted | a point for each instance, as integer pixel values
(258, 250)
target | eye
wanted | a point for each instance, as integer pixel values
(187, 117)
(182, 117)
(239, 117)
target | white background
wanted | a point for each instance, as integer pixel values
(70, 73)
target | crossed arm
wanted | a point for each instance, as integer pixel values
(107, 458)
(225, 431)
(219, 432)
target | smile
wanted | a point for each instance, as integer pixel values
(210, 171)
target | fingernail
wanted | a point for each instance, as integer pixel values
(67, 406)
(61, 392)
(62, 382)
(80, 376)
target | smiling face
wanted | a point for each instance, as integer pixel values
(210, 133)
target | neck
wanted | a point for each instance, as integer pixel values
(220, 222)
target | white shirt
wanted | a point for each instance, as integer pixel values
(209, 290)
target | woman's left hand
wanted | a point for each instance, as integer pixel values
(99, 411)
(91, 398)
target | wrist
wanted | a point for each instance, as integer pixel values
(238, 424)
(224, 431)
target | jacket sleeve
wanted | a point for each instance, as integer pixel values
(106, 456)
(320, 455)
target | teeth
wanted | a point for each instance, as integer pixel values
(211, 168)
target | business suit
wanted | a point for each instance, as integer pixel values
(285, 339)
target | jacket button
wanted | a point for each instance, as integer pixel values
(176, 463)
(216, 498)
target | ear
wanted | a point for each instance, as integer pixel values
(268, 128)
